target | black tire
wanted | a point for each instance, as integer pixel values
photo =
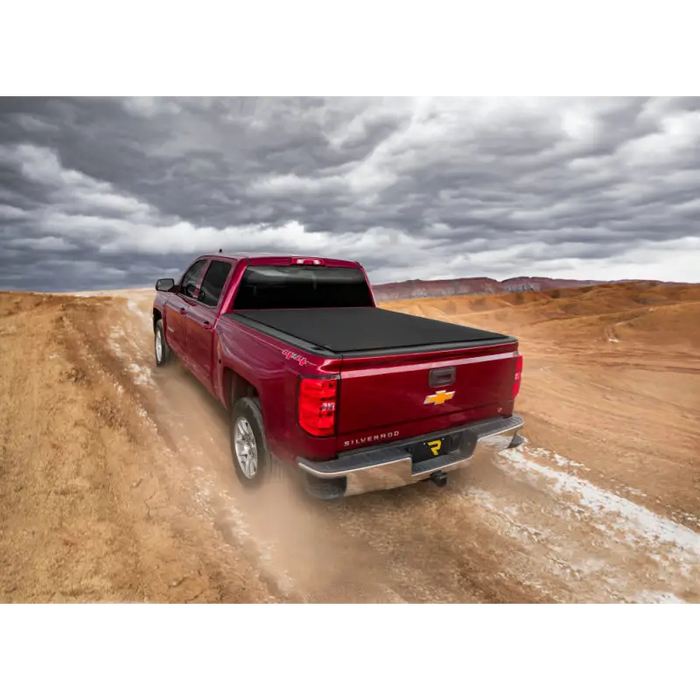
(165, 355)
(246, 413)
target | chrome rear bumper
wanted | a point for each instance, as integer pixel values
(392, 466)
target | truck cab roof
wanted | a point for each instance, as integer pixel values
(258, 258)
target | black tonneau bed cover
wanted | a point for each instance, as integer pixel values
(364, 330)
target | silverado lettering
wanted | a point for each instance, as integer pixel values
(371, 438)
(302, 358)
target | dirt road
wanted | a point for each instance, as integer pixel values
(116, 482)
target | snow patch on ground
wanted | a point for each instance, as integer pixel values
(114, 336)
(142, 375)
(133, 306)
(633, 521)
(137, 311)
(563, 462)
(598, 545)
(657, 597)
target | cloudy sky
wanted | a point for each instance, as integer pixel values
(109, 193)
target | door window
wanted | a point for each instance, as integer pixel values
(213, 282)
(190, 279)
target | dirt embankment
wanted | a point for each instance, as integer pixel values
(93, 505)
(116, 484)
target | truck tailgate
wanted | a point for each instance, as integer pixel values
(379, 393)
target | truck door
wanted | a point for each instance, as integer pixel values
(177, 308)
(202, 317)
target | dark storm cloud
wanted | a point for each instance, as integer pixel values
(115, 192)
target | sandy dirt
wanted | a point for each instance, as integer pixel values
(116, 481)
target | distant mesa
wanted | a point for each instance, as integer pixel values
(412, 289)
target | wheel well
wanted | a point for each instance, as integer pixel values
(157, 316)
(236, 387)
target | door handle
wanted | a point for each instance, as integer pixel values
(207, 326)
(183, 311)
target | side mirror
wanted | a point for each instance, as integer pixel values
(165, 284)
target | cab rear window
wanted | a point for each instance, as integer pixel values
(301, 287)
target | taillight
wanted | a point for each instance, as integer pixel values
(317, 404)
(518, 374)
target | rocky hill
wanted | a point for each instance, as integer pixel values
(412, 289)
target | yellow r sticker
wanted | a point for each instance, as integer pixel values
(435, 446)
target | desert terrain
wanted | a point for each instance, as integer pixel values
(116, 482)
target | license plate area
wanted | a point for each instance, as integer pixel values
(435, 447)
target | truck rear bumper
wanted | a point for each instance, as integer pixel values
(392, 466)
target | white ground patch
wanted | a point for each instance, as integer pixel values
(633, 521)
(135, 309)
(142, 375)
(115, 336)
(602, 545)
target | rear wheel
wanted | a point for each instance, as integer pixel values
(251, 457)
(162, 349)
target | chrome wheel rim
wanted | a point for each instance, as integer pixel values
(159, 346)
(246, 448)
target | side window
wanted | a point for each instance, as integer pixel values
(189, 281)
(213, 282)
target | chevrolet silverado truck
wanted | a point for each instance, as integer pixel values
(317, 379)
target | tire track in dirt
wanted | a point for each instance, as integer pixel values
(126, 343)
(93, 507)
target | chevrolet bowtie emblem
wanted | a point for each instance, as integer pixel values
(439, 397)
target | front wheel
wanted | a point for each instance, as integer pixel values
(162, 349)
(251, 457)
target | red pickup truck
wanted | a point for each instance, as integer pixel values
(318, 379)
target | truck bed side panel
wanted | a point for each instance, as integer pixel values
(266, 363)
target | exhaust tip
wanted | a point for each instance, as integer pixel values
(516, 441)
